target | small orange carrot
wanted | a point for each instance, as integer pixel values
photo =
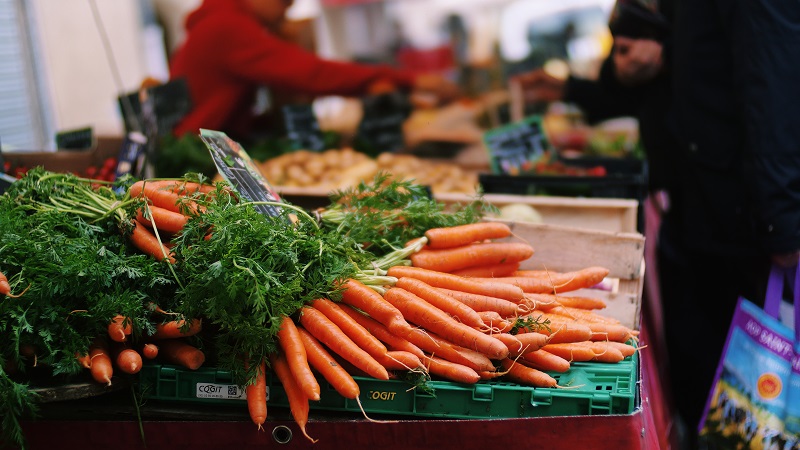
(488, 270)
(84, 360)
(471, 255)
(523, 342)
(177, 329)
(150, 350)
(400, 360)
(448, 281)
(584, 315)
(495, 322)
(176, 351)
(101, 367)
(360, 296)
(610, 332)
(571, 351)
(119, 328)
(556, 282)
(357, 333)
(296, 357)
(256, 394)
(325, 364)
(480, 303)
(161, 218)
(144, 240)
(5, 287)
(418, 311)
(451, 371)
(604, 352)
(444, 302)
(331, 335)
(447, 237)
(129, 361)
(549, 301)
(160, 193)
(544, 360)
(298, 401)
(625, 349)
(527, 375)
(383, 334)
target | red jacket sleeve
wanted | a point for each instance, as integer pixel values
(254, 54)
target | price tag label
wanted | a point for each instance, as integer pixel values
(235, 165)
(220, 391)
(168, 104)
(302, 128)
(381, 128)
(516, 147)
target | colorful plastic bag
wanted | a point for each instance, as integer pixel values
(747, 406)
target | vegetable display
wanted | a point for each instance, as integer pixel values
(382, 282)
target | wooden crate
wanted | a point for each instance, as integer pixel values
(605, 214)
(564, 249)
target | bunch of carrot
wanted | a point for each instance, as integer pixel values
(116, 349)
(435, 320)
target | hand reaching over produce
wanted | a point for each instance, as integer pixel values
(441, 88)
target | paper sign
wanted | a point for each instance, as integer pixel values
(79, 139)
(235, 165)
(514, 148)
(302, 128)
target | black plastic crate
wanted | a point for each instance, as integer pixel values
(625, 178)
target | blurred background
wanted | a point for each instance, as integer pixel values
(65, 63)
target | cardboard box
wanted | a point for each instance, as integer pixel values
(64, 161)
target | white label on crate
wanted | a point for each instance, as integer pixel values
(220, 391)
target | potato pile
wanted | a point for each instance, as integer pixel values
(342, 168)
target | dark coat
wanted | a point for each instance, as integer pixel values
(735, 116)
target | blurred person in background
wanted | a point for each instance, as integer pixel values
(233, 48)
(729, 162)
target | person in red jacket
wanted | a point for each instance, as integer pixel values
(233, 47)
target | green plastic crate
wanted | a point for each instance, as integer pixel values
(588, 389)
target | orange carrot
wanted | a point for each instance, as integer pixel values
(257, 397)
(424, 314)
(451, 371)
(325, 364)
(447, 237)
(357, 333)
(488, 376)
(437, 346)
(331, 335)
(584, 315)
(164, 219)
(129, 361)
(513, 344)
(489, 270)
(556, 282)
(480, 303)
(529, 342)
(448, 281)
(176, 351)
(383, 334)
(5, 287)
(296, 357)
(495, 322)
(119, 328)
(150, 351)
(604, 352)
(400, 360)
(84, 360)
(144, 240)
(360, 296)
(624, 348)
(571, 351)
(101, 367)
(549, 301)
(177, 329)
(527, 375)
(298, 402)
(544, 360)
(444, 302)
(160, 193)
(471, 255)
(610, 332)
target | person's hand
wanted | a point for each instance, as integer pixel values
(436, 86)
(786, 260)
(637, 60)
(539, 86)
